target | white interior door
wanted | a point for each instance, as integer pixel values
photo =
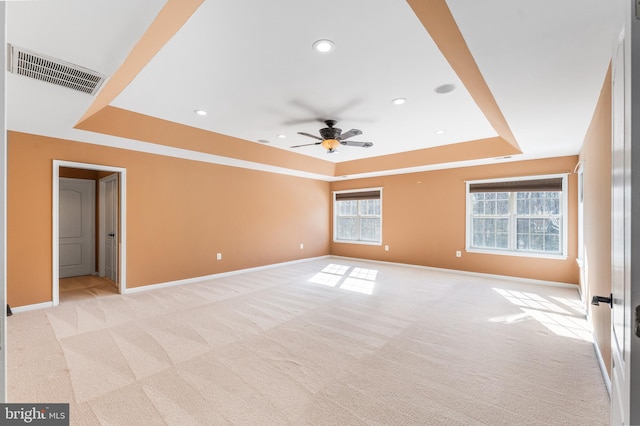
(76, 227)
(620, 312)
(109, 226)
(625, 205)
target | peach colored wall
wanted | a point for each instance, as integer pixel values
(596, 157)
(423, 221)
(180, 213)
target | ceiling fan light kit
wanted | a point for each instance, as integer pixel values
(331, 137)
(330, 144)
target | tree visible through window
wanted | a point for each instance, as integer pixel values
(358, 216)
(517, 216)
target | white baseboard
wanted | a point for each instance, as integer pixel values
(475, 274)
(214, 276)
(34, 307)
(603, 367)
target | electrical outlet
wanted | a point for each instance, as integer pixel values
(219, 256)
(458, 253)
(386, 248)
(301, 246)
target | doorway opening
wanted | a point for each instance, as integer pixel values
(104, 245)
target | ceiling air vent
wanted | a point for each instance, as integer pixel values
(55, 71)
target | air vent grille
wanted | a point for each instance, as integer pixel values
(55, 71)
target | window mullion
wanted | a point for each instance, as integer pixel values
(513, 222)
(358, 229)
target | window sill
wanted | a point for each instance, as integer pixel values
(367, 243)
(519, 254)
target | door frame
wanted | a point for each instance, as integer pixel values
(55, 258)
(3, 206)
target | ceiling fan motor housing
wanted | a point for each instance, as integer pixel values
(330, 133)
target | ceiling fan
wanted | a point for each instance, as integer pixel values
(331, 137)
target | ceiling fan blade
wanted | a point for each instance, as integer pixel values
(306, 144)
(354, 143)
(350, 133)
(310, 135)
(294, 121)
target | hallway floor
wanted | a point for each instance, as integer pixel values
(74, 289)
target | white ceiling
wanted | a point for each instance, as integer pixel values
(250, 65)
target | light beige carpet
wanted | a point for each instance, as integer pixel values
(323, 342)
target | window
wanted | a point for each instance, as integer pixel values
(518, 216)
(358, 216)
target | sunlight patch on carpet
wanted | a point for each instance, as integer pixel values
(552, 314)
(360, 280)
(358, 285)
(326, 279)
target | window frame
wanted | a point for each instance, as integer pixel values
(335, 217)
(512, 223)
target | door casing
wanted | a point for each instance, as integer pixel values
(3, 209)
(55, 258)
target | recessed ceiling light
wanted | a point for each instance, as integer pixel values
(281, 136)
(399, 101)
(200, 112)
(445, 88)
(323, 46)
(440, 132)
(263, 141)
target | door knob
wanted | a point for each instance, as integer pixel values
(597, 299)
(111, 234)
